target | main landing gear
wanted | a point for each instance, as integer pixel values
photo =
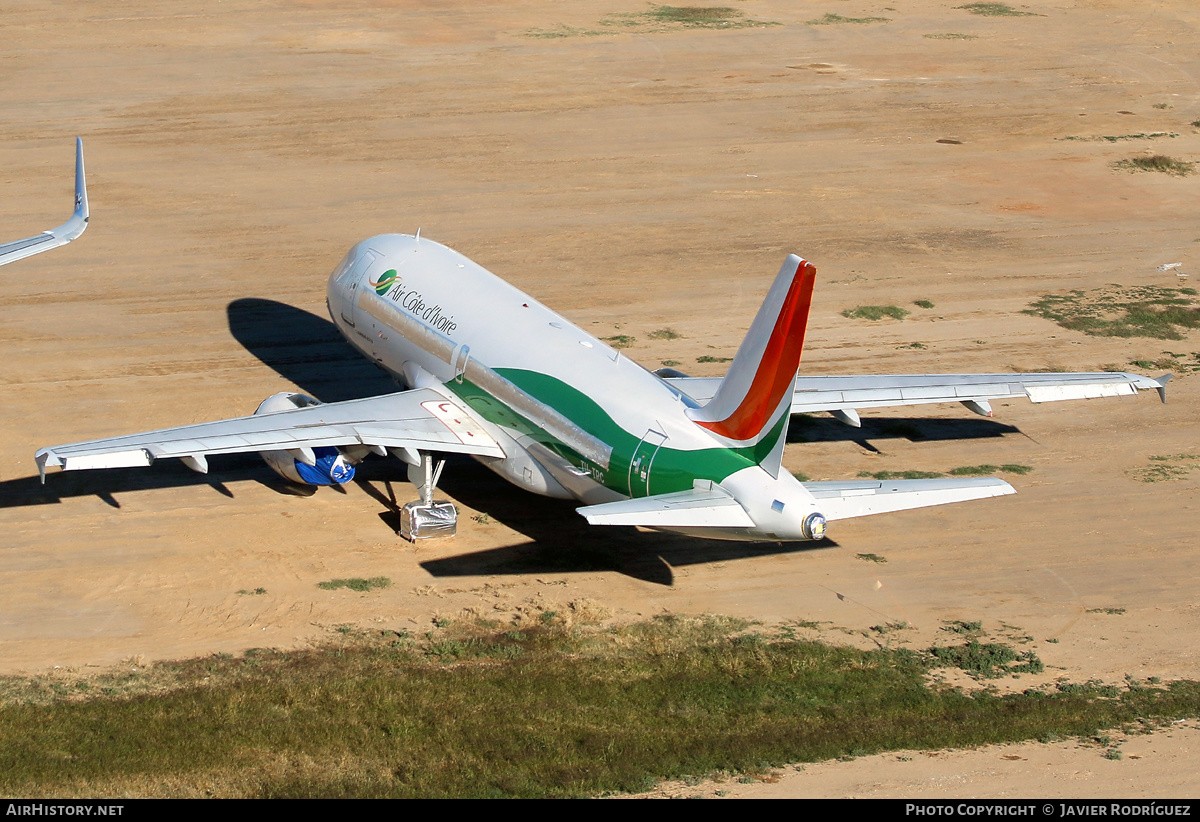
(426, 517)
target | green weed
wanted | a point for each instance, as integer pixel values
(1116, 138)
(995, 10)
(923, 303)
(664, 334)
(875, 312)
(707, 358)
(355, 584)
(620, 341)
(1166, 468)
(668, 18)
(986, 660)
(544, 711)
(1157, 162)
(830, 19)
(256, 592)
(871, 558)
(1109, 611)
(957, 626)
(562, 30)
(985, 469)
(1151, 311)
(671, 363)
(893, 475)
(951, 36)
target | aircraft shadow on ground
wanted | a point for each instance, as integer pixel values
(560, 540)
(228, 470)
(306, 350)
(804, 428)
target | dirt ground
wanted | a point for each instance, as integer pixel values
(634, 177)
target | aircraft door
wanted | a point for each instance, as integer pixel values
(642, 463)
(348, 284)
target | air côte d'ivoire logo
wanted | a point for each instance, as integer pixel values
(413, 301)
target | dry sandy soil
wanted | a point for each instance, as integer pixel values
(634, 179)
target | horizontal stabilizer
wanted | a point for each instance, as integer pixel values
(860, 498)
(703, 507)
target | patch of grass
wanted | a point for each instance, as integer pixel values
(830, 19)
(620, 341)
(958, 626)
(995, 10)
(918, 345)
(355, 584)
(562, 30)
(482, 519)
(951, 36)
(668, 18)
(664, 334)
(989, 660)
(871, 558)
(875, 312)
(1116, 138)
(1160, 363)
(1156, 162)
(800, 475)
(696, 16)
(257, 592)
(892, 475)
(890, 627)
(985, 469)
(707, 358)
(671, 363)
(541, 712)
(923, 303)
(1162, 106)
(1116, 311)
(1109, 611)
(1166, 468)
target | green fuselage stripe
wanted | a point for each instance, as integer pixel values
(672, 469)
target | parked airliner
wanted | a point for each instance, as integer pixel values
(489, 371)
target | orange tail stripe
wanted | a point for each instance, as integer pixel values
(780, 360)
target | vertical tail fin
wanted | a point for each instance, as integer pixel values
(758, 388)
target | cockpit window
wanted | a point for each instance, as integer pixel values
(342, 272)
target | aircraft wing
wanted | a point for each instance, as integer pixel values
(420, 419)
(845, 395)
(55, 237)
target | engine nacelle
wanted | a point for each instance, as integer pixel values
(308, 466)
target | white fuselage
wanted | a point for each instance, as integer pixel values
(575, 418)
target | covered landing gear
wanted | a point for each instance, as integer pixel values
(426, 517)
